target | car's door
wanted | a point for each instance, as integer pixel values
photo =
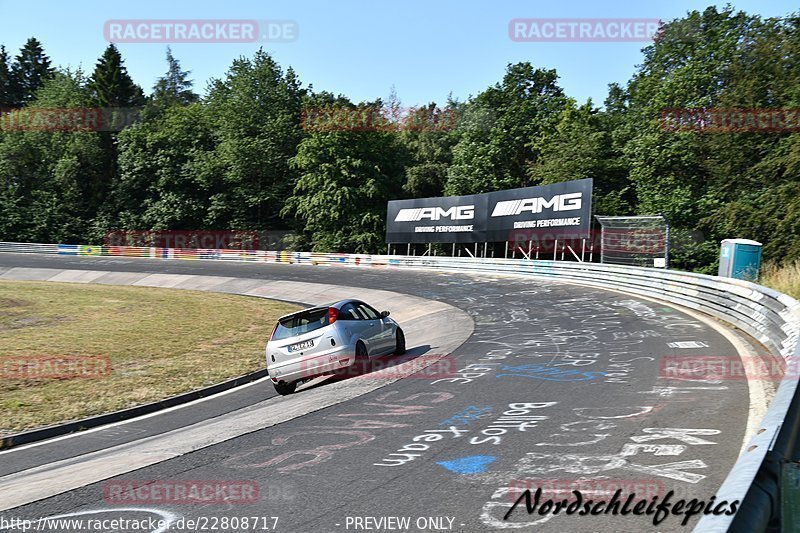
(359, 324)
(382, 339)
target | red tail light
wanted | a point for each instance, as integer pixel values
(333, 314)
(274, 330)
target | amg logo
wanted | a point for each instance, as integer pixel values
(560, 202)
(462, 212)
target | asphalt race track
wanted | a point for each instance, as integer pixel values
(557, 383)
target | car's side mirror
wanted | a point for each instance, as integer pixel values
(384, 314)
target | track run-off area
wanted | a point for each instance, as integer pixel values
(536, 384)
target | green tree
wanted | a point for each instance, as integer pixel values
(45, 175)
(346, 178)
(158, 186)
(580, 146)
(687, 67)
(706, 181)
(6, 100)
(501, 125)
(175, 87)
(255, 114)
(30, 70)
(111, 85)
(429, 134)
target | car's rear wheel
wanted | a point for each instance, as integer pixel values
(400, 342)
(361, 363)
(283, 388)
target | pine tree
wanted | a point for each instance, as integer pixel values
(111, 85)
(30, 70)
(5, 79)
(174, 87)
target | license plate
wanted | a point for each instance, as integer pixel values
(301, 346)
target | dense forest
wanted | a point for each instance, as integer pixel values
(255, 151)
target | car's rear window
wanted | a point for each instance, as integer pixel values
(300, 323)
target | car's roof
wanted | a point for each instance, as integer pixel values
(341, 303)
(337, 305)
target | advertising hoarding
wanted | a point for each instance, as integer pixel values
(544, 212)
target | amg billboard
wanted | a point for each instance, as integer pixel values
(545, 212)
(448, 219)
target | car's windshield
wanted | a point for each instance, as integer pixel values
(300, 323)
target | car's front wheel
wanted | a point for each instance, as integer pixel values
(283, 388)
(400, 342)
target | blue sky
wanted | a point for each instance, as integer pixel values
(425, 49)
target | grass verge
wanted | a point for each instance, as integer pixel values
(785, 278)
(160, 342)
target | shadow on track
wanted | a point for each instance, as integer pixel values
(369, 366)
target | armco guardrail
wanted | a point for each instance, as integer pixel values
(24, 247)
(770, 317)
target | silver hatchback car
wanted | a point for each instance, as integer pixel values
(323, 340)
